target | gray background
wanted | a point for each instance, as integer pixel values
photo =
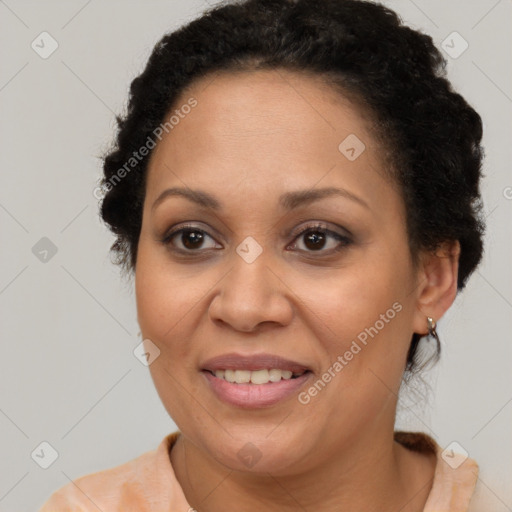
(68, 375)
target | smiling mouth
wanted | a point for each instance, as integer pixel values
(257, 377)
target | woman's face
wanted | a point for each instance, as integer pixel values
(254, 279)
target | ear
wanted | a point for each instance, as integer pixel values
(437, 284)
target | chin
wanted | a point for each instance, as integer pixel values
(257, 453)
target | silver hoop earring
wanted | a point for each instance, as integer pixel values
(431, 325)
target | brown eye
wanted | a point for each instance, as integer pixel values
(191, 239)
(316, 239)
(187, 239)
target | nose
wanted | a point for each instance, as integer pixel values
(252, 295)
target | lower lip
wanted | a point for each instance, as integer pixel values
(252, 396)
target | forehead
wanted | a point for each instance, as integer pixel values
(261, 102)
(273, 131)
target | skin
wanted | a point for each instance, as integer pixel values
(252, 137)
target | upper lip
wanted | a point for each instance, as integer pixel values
(235, 361)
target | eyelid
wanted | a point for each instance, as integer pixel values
(284, 234)
(326, 226)
(188, 226)
(192, 225)
(343, 240)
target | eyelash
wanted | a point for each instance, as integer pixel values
(344, 241)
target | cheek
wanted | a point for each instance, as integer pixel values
(364, 316)
(356, 298)
(164, 309)
(163, 294)
(364, 335)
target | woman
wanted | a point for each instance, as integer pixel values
(295, 189)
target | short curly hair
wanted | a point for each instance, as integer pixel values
(431, 133)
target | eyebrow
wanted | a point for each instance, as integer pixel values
(288, 200)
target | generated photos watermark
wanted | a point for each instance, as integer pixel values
(139, 155)
(343, 360)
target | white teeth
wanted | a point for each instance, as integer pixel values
(254, 377)
(260, 377)
(274, 375)
(242, 376)
(229, 375)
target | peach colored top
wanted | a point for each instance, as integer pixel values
(148, 483)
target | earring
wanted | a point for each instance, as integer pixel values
(431, 325)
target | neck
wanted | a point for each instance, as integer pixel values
(372, 474)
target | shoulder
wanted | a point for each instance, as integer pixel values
(460, 484)
(129, 486)
(492, 491)
(455, 473)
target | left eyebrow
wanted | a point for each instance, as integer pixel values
(288, 200)
(291, 200)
